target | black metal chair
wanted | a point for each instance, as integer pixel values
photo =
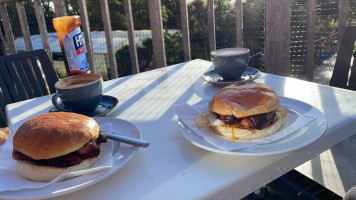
(344, 74)
(24, 76)
(340, 77)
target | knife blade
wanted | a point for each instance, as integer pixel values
(126, 139)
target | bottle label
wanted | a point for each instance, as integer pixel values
(75, 51)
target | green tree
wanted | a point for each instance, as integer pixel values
(225, 25)
(326, 17)
(172, 10)
(117, 15)
(253, 31)
(174, 47)
(352, 11)
(198, 29)
(31, 16)
(140, 14)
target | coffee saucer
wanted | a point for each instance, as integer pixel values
(105, 107)
(214, 78)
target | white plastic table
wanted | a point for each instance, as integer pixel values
(173, 168)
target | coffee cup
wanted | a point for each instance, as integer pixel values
(79, 93)
(230, 63)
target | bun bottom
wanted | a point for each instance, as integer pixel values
(48, 173)
(247, 134)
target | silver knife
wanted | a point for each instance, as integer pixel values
(126, 139)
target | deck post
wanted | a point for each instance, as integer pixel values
(60, 8)
(109, 41)
(277, 37)
(42, 27)
(310, 40)
(24, 25)
(211, 25)
(239, 24)
(86, 30)
(2, 46)
(131, 36)
(343, 9)
(185, 30)
(159, 53)
(7, 29)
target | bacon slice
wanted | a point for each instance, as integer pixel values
(89, 146)
(89, 150)
(252, 122)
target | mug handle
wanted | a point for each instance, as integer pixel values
(55, 102)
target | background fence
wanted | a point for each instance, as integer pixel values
(325, 43)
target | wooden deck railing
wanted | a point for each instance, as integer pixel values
(277, 32)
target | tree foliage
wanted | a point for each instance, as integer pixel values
(198, 29)
(225, 24)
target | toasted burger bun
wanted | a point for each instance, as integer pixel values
(3, 137)
(245, 100)
(48, 173)
(52, 135)
(236, 133)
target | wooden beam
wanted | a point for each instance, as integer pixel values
(211, 25)
(185, 29)
(86, 30)
(7, 29)
(159, 53)
(60, 8)
(239, 23)
(24, 25)
(10, 1)
(343, 9)
(2, 42)
(310, 40)
(109, 41)
(131, 36)
(42, 27)
(277, 37)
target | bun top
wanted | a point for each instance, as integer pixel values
(56, 134)
(245, 100)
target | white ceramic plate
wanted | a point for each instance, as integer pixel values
(296, 140)
(124, 152)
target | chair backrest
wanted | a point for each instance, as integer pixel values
(24, 76)
(340, 77)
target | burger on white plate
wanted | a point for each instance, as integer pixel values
(50, 144)
(244, 112)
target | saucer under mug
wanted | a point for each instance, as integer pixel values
(214, 78)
